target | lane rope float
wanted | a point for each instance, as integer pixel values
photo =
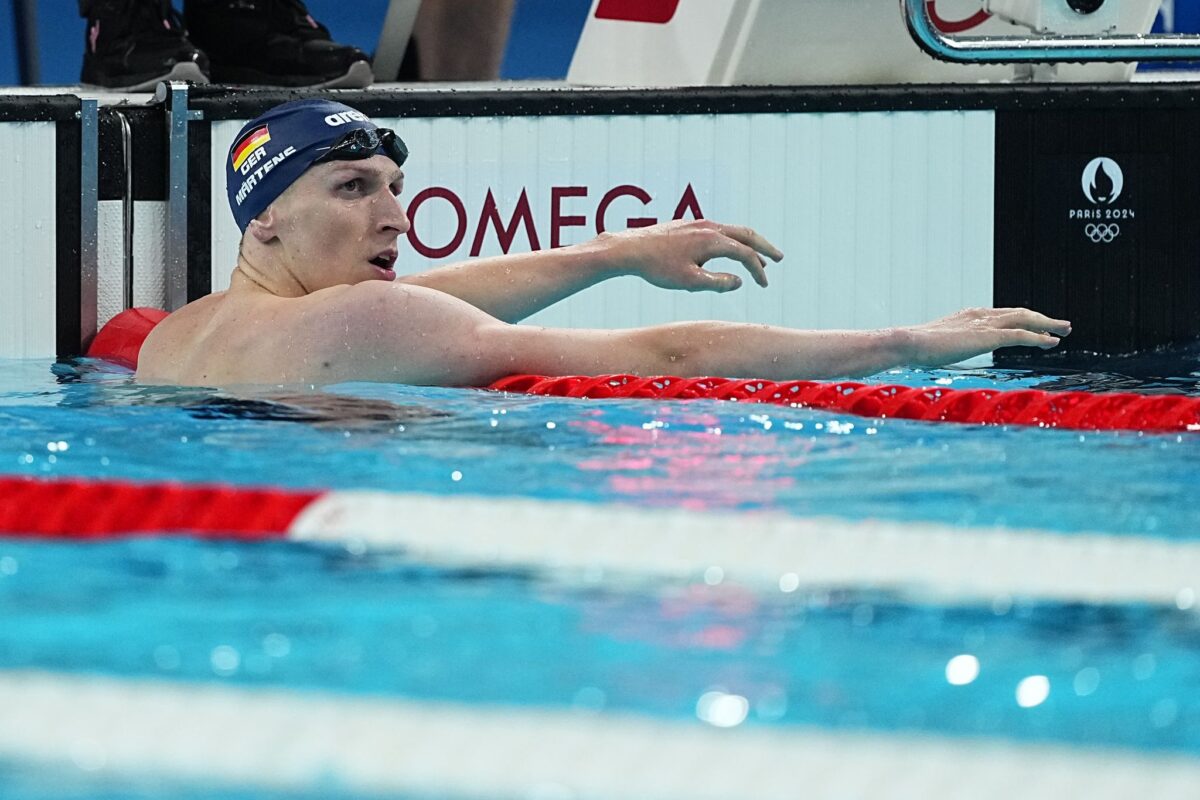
(121, 339)
(1030, 407)
(769, 551)
(260, 739)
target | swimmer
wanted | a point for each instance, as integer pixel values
(315, 187)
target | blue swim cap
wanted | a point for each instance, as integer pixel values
(275, 149)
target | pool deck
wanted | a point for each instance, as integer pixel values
(111, 97)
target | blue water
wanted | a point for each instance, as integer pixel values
(696, 454)
(325, 618)
(377, 625)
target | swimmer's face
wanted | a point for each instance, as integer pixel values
(339, 222)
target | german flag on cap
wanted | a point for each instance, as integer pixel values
(250, 142)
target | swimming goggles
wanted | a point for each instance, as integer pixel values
(363, 143)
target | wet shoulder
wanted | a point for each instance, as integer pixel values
(252, 338)
(346, 308)
(174, 335)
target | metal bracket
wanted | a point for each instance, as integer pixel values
(1043, 49)
(127, 209)
(89, 217)
(174, 95)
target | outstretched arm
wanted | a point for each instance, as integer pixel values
(740, 350)
(670, 255)
(413, 335)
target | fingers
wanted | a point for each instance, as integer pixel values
(1031, 321)
(725, 247)
(1024, 338)
(751, 239)
(716, 282)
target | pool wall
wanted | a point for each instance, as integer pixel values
(873, 237)
(44, 239)
(893, 204)
(27, 308)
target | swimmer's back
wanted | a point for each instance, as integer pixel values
(232, 338)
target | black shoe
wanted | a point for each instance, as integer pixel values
(134, 44)
(273, 43)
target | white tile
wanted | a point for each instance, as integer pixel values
(28, 230)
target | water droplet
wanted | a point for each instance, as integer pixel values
(1164, 713)
(862, 616)
(1033, 691)
(590, 697)
(276, 645)
(1144, 666)
(1086, 681)
(1185, 599)
(722, 710)
(962, 669)
(225, 660)
(167, 657)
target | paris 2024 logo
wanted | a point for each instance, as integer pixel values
(1102, 181)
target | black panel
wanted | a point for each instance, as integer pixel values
(112, 156)
(1125, 270)
(38, 108)
(218, 102)
(67, 255)
(199, 248)
(148, 129)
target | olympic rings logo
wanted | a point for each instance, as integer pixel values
(1102, 232)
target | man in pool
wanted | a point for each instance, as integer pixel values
(314, 186)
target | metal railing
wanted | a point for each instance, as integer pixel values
(1044, 49)
(174, 97)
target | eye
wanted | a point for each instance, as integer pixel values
(355, 185)
(396, 189)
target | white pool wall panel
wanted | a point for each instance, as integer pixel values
(28, 235)
(886, 218)
(149, 256)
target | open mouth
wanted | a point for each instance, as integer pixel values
(385, 261)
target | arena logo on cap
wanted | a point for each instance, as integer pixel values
(250, 142)
(343, 117)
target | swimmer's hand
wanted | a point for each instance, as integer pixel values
(974, 331)
(672, 255)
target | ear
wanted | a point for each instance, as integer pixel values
(264, 227)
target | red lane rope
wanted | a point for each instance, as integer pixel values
(122, 337)
(1033, 407)
(93, 509)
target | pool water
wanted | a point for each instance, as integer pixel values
(330, 618)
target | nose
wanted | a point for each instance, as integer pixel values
(393, 217)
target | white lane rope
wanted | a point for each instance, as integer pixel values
(223, 736)
(760, 549)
